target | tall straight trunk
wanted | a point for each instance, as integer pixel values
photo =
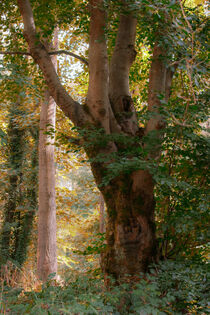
(102, 222)
(46, 250)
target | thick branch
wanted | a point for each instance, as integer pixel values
(97, 99)
(72, 109)
(122, 59)
(157, 88)
(56, 52)
(160, 81)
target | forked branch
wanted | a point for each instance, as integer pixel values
(123, 56)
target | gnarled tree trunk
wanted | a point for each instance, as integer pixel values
(129, 197)
(130, 231)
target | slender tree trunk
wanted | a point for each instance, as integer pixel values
(46, 251)
(102, 227)
(102, 223)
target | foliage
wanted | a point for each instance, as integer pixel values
(173, 288)
(19, 160)
(20, 200)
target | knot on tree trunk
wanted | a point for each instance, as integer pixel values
(123, 104)
(126, 103)
(132, 53)
(129, 232)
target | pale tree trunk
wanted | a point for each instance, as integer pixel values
(102, 227)
(129, 197)
(46, 248)
(102, 223)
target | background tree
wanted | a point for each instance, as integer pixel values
(46, 251)
(20, 196)
(19, 166)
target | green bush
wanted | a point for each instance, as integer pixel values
(170, 288)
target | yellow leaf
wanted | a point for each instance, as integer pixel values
(197, 2)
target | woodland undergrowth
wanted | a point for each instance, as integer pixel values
(172, 287)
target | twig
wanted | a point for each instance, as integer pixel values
(73, 140)
(15, 53)
(184, 15)
(179, 123)
(57, 52)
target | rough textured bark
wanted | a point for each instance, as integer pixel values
(130, 229)
(129, 198)
(131, 244)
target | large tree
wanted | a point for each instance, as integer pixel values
(109, 114)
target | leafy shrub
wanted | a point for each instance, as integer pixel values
(170, 288)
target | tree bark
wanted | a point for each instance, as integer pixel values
(46, 249)
(97, 97)
(130, 229)
(123, 57)
(160, 81)
(102, 222)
